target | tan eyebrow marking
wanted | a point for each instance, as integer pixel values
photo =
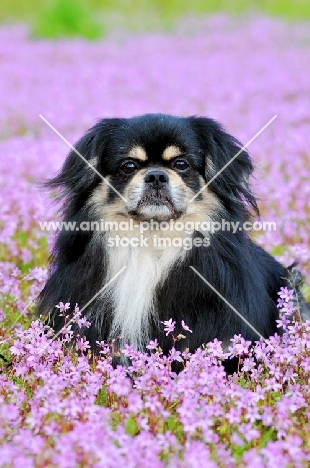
(171, 152)
(137, 152)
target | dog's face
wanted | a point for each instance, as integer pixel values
(153, 166)
(156, 164)
(157, 184)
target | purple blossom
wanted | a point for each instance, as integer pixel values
(283, 322)
(153, 344)
(239, 346)
(169, 326)
(63, 307)
(82, 344)
(286, 294)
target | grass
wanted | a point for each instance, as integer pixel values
(57, 18)
(67, 18)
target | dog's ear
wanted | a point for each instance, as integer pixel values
(227, 173)
(76, 175)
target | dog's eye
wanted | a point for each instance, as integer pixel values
(180, 165)
(128, 167)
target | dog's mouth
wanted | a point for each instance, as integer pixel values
(157, 200)
(156, 207)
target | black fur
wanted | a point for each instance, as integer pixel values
(247, 276)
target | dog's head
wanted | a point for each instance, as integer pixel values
(153, 167)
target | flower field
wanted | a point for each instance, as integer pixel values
(60, 408)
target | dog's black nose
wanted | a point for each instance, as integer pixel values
(156, 178)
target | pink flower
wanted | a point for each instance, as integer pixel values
(82, 344)
(63, 307)
(283, 322)
(153, 344)
(286, 294)
(169, 326)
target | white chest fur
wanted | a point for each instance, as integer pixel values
(133, 291)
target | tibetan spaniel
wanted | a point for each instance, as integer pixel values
(169, 199)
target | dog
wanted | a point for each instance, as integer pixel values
(162, 173)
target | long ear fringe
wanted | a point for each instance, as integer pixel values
(76, 176)
(232, 182)
(71, 174)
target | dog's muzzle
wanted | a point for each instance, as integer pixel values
(155, 201)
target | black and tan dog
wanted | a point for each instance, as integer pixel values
(153, 167)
